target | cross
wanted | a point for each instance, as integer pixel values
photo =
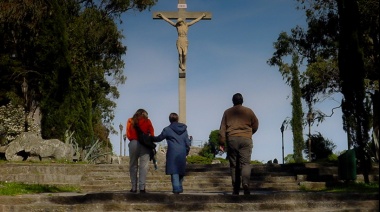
(182, 14)
(182, 28)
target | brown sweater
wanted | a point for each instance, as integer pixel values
(238, 121)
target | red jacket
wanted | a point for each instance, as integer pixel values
(145, 126)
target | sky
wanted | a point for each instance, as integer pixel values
(226, 55)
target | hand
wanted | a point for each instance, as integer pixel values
(221, 148)
(159, 15)
(203, 15)
(152, 138)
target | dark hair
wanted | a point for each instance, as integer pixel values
(237, 99)
(173, 117)
(139, 113)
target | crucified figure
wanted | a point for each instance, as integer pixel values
(182, 42)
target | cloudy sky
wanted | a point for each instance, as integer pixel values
(227, 54)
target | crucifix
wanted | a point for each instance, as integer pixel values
(182, 44)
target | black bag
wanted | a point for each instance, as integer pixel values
(145, 139)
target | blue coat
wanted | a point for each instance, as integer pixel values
(178, 147)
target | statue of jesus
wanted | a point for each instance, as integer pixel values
(182, 42)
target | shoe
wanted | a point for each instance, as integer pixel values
(246, 189)
(133, 191)
(236, 191)
(142, 191)
(176, 193)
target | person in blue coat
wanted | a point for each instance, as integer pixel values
(179, 143)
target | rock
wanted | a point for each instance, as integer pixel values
(31, 145)
(216, 162)
(115, 160)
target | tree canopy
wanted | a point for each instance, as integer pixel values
(70, 53)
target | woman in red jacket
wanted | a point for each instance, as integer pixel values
(137, 151)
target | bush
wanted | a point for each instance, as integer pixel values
(196, 159)
(256, 162)
(332, 158)
(222, 160)
(207, 151)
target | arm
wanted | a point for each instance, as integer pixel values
(160, 137)
(150, 128)
(130, 134)
(187, 143)
(166, 19)
(222, 131)
(254, 123)
(196, 20)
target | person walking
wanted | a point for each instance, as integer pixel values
(137, 151)
(238, 125)
(178, 148)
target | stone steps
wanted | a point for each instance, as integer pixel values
(264, 201)
(206, 188)
(212, 178)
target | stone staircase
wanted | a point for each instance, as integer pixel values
(199, 178)
(104, 187)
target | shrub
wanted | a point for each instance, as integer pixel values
(196, 159)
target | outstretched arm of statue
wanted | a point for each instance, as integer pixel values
(166, 19)
(196, 20)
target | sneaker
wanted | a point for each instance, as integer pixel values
(133, 191)
(142, 191)
(246, 189)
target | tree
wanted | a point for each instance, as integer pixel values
(285, 46)
(325, 28)
(210, 148)
(355, 25)
(70, 54)
(321, 147)
(352, 74)
(289, 159)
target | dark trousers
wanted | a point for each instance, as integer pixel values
(239, 154)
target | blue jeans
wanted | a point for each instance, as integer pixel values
(177, 183)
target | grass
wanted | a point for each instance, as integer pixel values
(351, 187)
(355, 187)
(12, 188)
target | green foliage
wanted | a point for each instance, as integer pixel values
(286, 46)
(210, 148)
(74, 87)
(13, 188)
(207, 151)
(355, 187)
(332, 158)
(213, 138)
(196, 159)
(351, 187)
(222, 160)
(297, 113)
(289, 159)
(256, 162)
(12, 121)
(321, 148)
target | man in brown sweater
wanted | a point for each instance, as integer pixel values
(238, 125)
